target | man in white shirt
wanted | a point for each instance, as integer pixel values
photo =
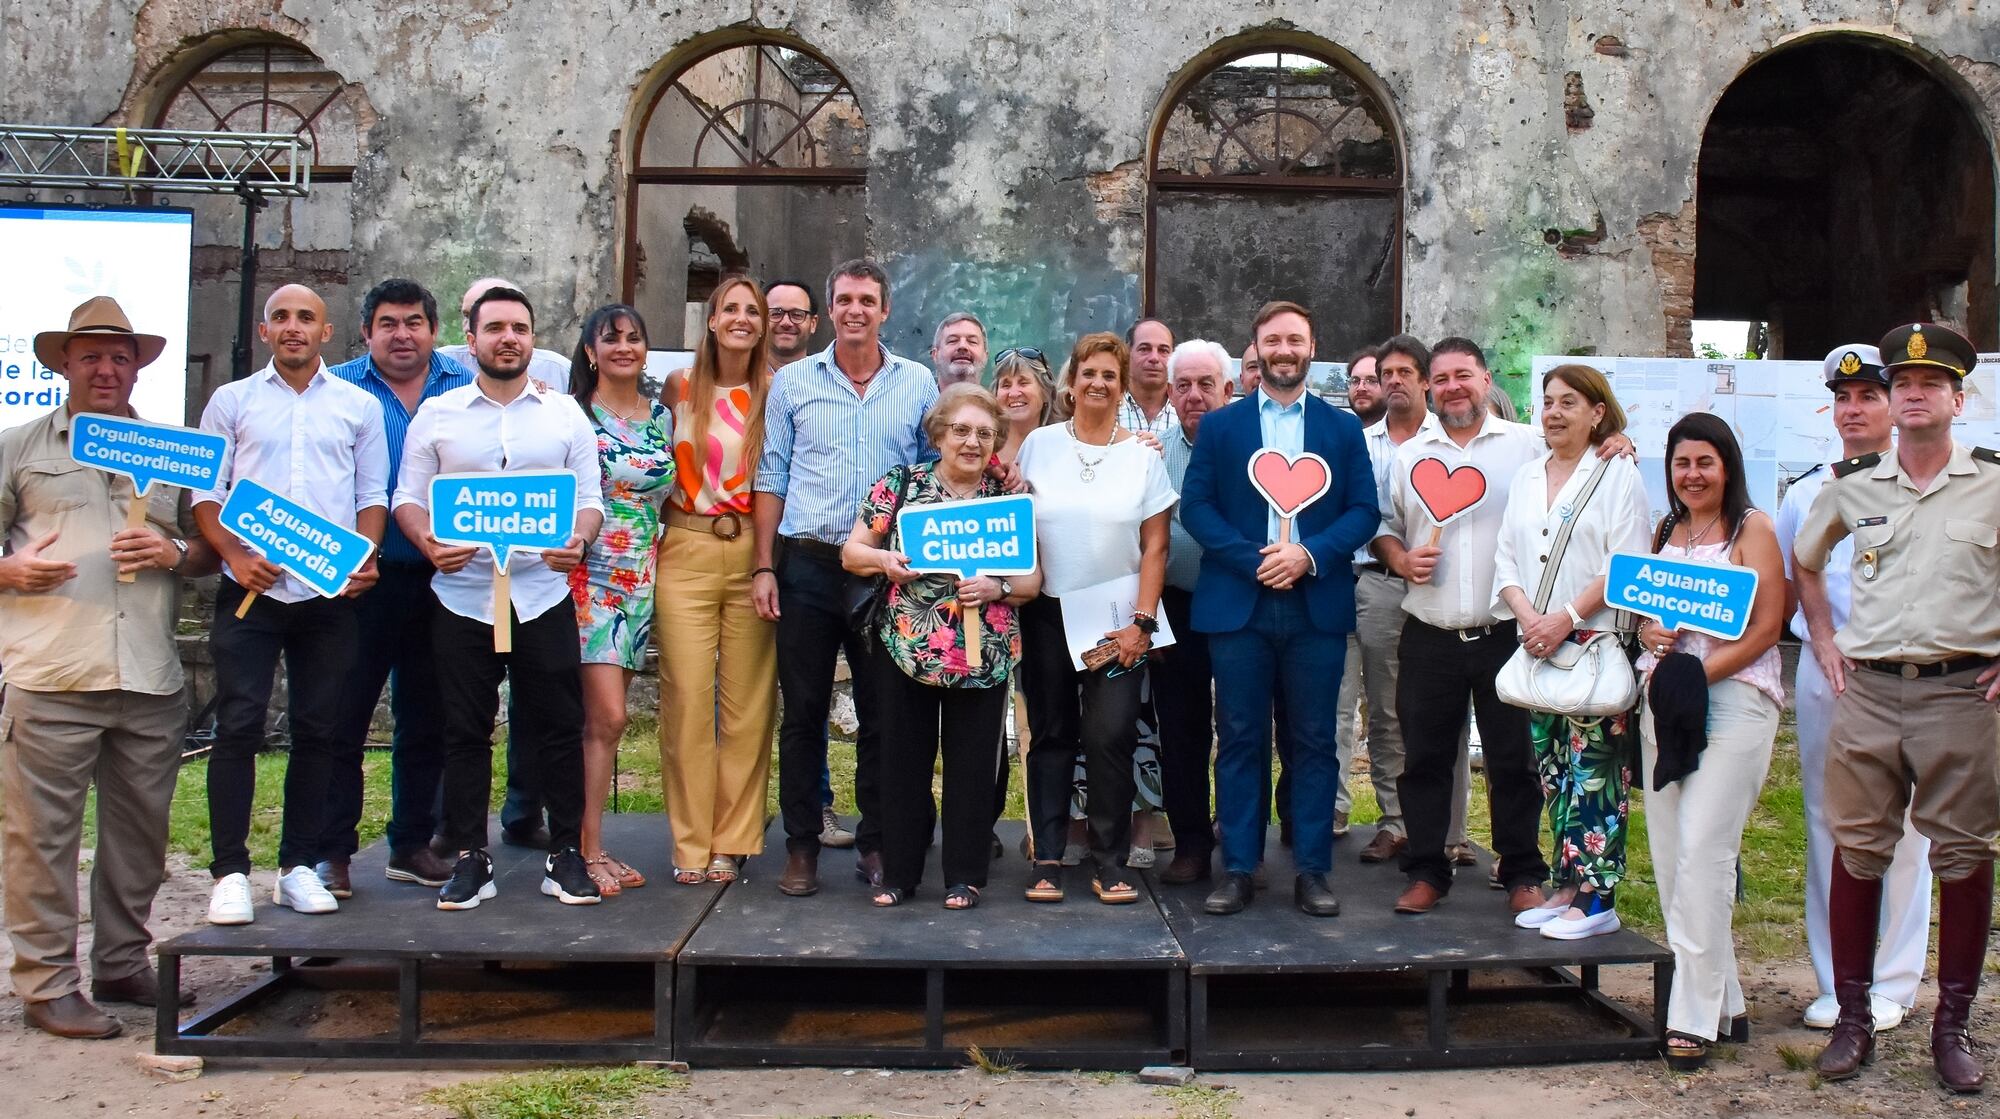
(546, 367)
(504, 421)
(1861, 414)
(1146, 408)
(1452, 645)
(302, 432)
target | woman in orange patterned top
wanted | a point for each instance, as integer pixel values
(710, 638)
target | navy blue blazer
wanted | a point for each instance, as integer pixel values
(1229, 519)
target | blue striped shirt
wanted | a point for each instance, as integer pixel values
(445, 375)
(824, 445)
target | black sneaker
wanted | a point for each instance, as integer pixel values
(471, 882)
(566, 879)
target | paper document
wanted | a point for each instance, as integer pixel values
(1094, 611)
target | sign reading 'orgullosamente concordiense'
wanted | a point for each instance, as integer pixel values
(1713, 598)
(147, 452)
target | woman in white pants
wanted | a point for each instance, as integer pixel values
(1695, 823)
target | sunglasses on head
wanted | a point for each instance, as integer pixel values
(1028, 352)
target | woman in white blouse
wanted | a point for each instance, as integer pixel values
(1586, 764)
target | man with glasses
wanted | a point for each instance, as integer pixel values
(794, 321)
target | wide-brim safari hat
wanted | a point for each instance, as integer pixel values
(98, 316)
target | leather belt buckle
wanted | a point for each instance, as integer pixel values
(735, 520)
(1470, 635)
(1911, 671)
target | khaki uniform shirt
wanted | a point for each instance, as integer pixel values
(92, 633)
(1926, 567)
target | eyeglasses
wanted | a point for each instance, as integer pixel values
(1028, 352)
(790, 315)
(966, 432)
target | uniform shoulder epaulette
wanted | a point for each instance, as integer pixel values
(1988, 454)
(1848, 466)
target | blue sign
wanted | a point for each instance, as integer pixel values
(1713, 598)
(148, 452)
(989, 536)
(321, 554)
(528, 510)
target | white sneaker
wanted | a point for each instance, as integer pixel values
(230, 903)
(1823, 1012)
(1888, 1012)
(1595, 924)
(1538, 916)
(301, 889)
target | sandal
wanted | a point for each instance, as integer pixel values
(627, 877)
(962, 897)
(1113, 890)
(1686, 1052)
(1048, 883)
(601, 873)
(890, 896)
(689, 876)
(722, 868)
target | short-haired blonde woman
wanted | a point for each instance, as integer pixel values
(936, 700)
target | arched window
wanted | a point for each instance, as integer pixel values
(1276, 174)
(750, 158)
(274, 86)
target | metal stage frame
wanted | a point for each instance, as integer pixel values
(744, 976)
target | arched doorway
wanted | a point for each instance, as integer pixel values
(750, 158)
(1276, 174)
(1843, 188)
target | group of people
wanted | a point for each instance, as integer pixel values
(743, 521)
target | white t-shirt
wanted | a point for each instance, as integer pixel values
(1088, 532)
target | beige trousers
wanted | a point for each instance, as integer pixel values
(53, 746)
(718, 695)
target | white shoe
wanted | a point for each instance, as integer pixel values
(1888, 1012)
(301, 889)
(831, 834)
(1140, 858)
(230, 903)
(1595, 924)
(1823, 1012)
(1537, 917)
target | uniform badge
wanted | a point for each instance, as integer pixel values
(1917, 346)
(1850, 363)
(1868, 559)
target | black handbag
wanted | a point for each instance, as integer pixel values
(868, 595)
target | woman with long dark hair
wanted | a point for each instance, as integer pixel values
(613, 586)
(1732, 691)
(717, 657)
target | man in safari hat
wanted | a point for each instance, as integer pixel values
(93, 687)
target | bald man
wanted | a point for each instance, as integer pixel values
(296, 429)
(547, 366)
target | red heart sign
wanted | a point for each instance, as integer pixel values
(1448, 494)
(1289, 484)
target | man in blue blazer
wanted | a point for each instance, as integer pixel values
(1277, 615)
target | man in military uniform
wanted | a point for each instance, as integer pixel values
(1914, 724)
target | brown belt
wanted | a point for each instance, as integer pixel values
(724, 526)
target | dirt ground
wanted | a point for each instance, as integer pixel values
(46, 1076)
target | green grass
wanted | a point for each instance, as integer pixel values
(556, 1094)
(1199, 1101)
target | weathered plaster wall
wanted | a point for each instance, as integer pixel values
(1009, 139)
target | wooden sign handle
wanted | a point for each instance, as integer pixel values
(135, 517)
(970, 618)
(503, 611)
(242, 608)
(1437, 534)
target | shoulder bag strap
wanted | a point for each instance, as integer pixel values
(1562, 540)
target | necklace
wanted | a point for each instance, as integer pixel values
(1089, 471)
(950, 491)
(1694, 537)
(645, 410)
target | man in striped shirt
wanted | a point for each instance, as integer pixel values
(834, 423)
(401, 369)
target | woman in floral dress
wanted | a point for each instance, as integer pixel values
(613, 587)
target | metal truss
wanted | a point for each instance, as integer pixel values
(38, 156)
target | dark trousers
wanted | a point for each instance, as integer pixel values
(394, 624)
(1440, 675)
(317, 639)
(1279, 652)
(919, 721)
(1070, 711)
(546, 727)
(1184, 696)
(812, 629)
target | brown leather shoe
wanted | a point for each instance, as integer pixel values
(141, 988)
(1186, 868)
(801, 877)
(71, 1016)
(1386, 845)
(1524, 897)
(1418, 897)
(333, 875)
(420, 867)
(1461, 854)
(868, 868)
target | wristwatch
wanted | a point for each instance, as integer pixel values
(1006, 589)
(181, 547)
(1575, 618)
(1147, 624)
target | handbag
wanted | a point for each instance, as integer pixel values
(867, 596)
(1586, 680)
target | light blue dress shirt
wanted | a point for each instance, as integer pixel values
(825, 445)
(1284, 429)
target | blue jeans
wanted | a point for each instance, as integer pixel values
(1279, 653)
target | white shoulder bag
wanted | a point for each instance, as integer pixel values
(1583, 681)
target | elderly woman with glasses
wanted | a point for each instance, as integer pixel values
(937, 700)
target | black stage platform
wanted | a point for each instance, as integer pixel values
(746, 976)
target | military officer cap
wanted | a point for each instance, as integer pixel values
(1855, 363)
(1928, 344)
